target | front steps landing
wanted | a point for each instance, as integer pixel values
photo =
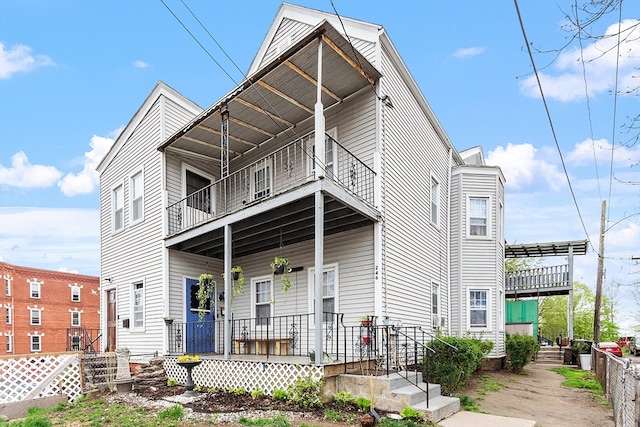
(394, 392)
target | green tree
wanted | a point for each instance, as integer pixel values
(552, 314)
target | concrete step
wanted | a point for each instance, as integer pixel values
(412, 394)
(438, 408)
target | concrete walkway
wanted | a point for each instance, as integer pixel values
(476, 419)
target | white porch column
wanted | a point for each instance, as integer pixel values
(319, 121)
(227, 292)
(319, 266)
(570, 299)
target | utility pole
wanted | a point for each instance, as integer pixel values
(596, 314)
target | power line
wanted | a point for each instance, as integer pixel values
(553, 132)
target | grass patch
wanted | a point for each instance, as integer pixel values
(489, 384)
(279, 421)
(467, 403)
(577, 378)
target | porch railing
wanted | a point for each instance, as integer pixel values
(286, 168)
(82, 339)
(291, 335)
(538, 278)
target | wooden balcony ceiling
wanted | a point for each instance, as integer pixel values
(280, 96)
(282, 226)
(532, 250)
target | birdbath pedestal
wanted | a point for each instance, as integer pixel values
(189, 385)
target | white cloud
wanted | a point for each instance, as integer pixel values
(23, 174)
(603, 62)
(140, 64)
(586, 151)
(20, 60)
(521, 167)
(85, 181)
(51, 238)
(468, 51)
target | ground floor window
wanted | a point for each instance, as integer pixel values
(262, 296)
(478, 308)
(329, 291)
(36, 343)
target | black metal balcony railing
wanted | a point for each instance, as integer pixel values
(286, 168)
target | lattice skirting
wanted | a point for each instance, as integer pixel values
(250, 375)
(34, 376)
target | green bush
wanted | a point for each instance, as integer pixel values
(363, 404)
(305, 392)
(280, 394)
(452, 368)
(343, 398)
(408, 413)
(520, 350)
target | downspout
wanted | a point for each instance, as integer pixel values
(165, 252)
(461, 232)
(449, 245)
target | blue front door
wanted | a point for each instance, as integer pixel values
(199, 334)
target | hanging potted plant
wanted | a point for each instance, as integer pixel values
(205, 290)
(281, 266)
(238, 280)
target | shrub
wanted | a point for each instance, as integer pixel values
(452, 368)
(305, 392)
(256, 394)
(409, 413)
(343, 398)
(363, 404)
(172, 382)
(520, 350)
(280, 394)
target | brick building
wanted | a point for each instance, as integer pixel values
(47, 311)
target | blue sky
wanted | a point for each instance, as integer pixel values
(73, 73)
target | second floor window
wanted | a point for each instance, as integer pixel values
(9, 340)
(435, 200)
(118, 208)
(478, 216)
(261, 179)
(198, 192)
(8, 315)
(36, 316)
(137, 194)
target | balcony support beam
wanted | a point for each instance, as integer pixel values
(318, 273)
(227, 291)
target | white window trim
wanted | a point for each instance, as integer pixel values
(115, 230)
(254, 281)
(132, 322)
(311, 289)
(79, 319)
(435, 223)
(133, 221)
(9, 314)
(39, 285)
(31, 337)
(9, 343)
(7, 286)
(500, 222)
(488, 327)
(264, 164)
(437, 314)
(31, 310)
(489, 216)
(184, 168)
(75, 287)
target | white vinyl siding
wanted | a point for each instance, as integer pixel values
(136, 185)
(138, 253)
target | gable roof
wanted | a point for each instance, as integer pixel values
(160, 89)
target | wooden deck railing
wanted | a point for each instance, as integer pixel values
(537, 278)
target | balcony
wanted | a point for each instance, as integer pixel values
(289, 167)
(539, 281)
